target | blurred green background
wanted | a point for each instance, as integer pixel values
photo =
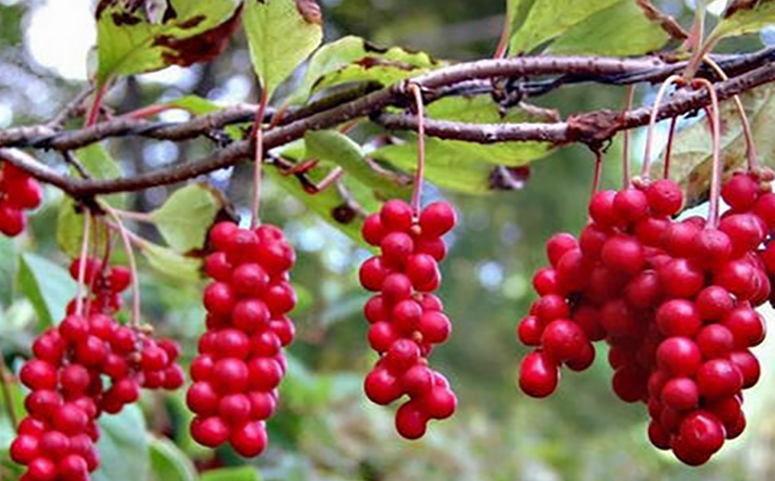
(326, 429)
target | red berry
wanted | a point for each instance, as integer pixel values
(740, 192)
(396, 215)
(702, 433)
(558, 245)
(679, 356)
(665, 197)
(678, 317)
(563, 340)
(719, 378)
(437, 219)
(681, 394)
(373, 232)
(210, 432)
(631, 204)
(411, 421)
(538, 375)
(249, 439)
(381, 387)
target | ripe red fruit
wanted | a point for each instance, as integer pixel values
(538, 375)
(623, 253)
(381, 387)
(629, 383)
(678, 317)
(373, 232)
(249, 439)
(719, 378)
(715, 341)
(701, 433)
(679, 356)
(558, 245)
(665, 197)
(210, 432)
(411, 421)
(437, 219)
(631, 204)
(396, 215)
(563, 340)
(740, 192)
(681, 394)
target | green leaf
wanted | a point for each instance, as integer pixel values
(548, 19)
(168, 462)
(336, 147)
(9, 266)
(172, 264)
(619, 30)
(187, 215)
(281, 35)
(48, 287)
(745, 17)
(100, 165)
(245, 473)
(181, 32)
(123, 446)
(196, 105)
(464, 166)
(692, 158)
(353, 59)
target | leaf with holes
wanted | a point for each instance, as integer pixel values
(187, 215)
(99, 164)
(692, 159)
(621, 29)
(281, 35)
(335, 147)
(48, 287)
(744, 17)
(353, 59)
(123, 446)
(132, 40)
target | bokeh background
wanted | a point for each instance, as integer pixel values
(326, 429)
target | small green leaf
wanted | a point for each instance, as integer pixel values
(548, 19)
(353, 59)
(245, 473)
(196, 105)
(187, 215)
(168, 462)
(336, 147)
(182, 33)
(48, 287)
(123, 446)
(745, 17)
(100, 165)
(172, 264)
(9, 266)
(692, 158)
(621, 29)
(281, 34)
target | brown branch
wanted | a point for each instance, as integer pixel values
(589, 128)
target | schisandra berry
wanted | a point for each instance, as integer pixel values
(18, 192)
(240, 362)
(406, 319)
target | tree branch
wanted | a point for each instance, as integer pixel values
(588, 128)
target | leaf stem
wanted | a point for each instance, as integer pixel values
(420, 174)
(137, 216)
(669, 148)
(94, 111)
(82, 262)
(258, 159)
(598, 171)
(653, 120)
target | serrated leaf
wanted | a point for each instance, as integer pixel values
(9, 266)
(129, 41)
(691, 161)
(48, 287)
(745, 17)
(170, 263)
(336, 147)
(123, 446)
(281, 35)
(619, 30)
(245, 473)
(100, 165)
(168, 462)
(353, 59)
(187, 215)
(548, 19)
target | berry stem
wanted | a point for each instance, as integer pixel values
(598, 171)
(5, 385)
(715, 182)
(503, 42)
(138, 216)
(147, 111)
(751, 154)
(82, 262)
(134, 321)
(258, 159)
(420, 174)
(698, 47)
(669, 148)
(653, 120)
(94, 110)
(626, 138)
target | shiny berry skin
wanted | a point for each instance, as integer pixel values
(563, 340)
(411, 421)
(665, 197)
(437, 219)
(679, 356)
(538, 375)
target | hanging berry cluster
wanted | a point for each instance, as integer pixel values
(407, 320)
(68, 376)
(106, 283)
(674, 300)
(240, 362)
(18, 192)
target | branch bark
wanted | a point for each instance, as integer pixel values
(588, 128)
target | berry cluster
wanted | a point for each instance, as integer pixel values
(105, 282)
(240, 362)
(18, 192)
(407, 320)
(674, 300)
(85, 366)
